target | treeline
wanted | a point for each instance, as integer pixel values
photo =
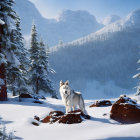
(21, 70)
(103, 60)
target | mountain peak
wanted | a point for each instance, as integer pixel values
(67, 15)
(110, 19)
(133, 18)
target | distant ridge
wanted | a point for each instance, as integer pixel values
(75, 24)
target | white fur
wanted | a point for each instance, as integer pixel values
(70, 98)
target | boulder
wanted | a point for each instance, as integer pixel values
(37, 97)
(38, 102)
(46, 119)
(35, 123)
(70, 118)
(56, 113)
(101, 103)
(53, 117)
(73, 117)
(37, 118)
(81, 114)
(25, 95)
(125, 110)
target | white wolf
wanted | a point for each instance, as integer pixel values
(71, 98)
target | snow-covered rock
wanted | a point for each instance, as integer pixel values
(101, 103)
(125, 110)
(70, 118)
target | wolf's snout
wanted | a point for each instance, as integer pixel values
(66, 92)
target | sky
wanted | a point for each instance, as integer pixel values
(99, 8)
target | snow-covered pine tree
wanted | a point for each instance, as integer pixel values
(34, 57)
(23, 56)
(11, 48)
(17, 73)
(40, 68)
(7, 15)
(138, 76)
(45, 84)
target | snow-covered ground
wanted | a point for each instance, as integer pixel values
(17, 117)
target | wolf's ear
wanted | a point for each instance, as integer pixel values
(67, 82)
(61, 83)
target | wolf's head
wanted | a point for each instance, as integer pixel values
(64, 87)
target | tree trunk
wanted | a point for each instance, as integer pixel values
(37, 86)
(3, 87)
(14, 93)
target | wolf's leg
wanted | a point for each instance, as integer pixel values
(73, 107)
(68, 109)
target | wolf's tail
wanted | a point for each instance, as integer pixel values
(82, 105)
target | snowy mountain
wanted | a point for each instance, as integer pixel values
(51, 29)
(104, 62)
(110, 19)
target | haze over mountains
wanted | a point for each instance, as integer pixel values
(70, 25)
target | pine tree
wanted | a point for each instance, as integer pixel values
(17, 74)
(7, 14)
(45, 83)
(11, 46)
(40, 69)
(23, 56)
(34, 57)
